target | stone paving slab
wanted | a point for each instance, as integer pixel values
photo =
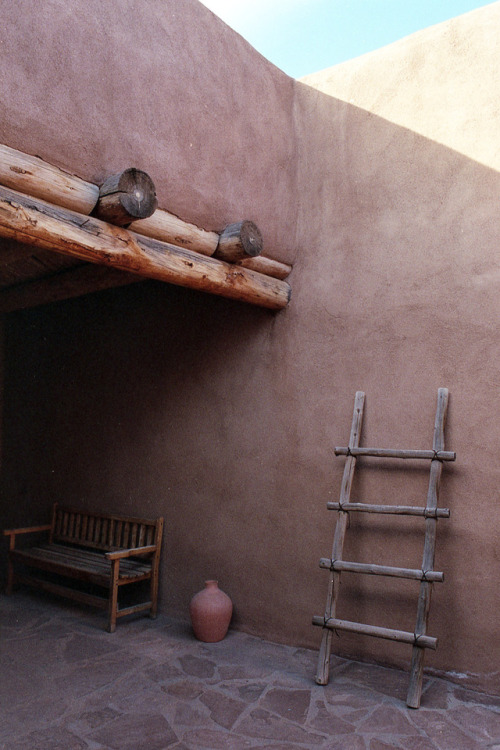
(66, 684)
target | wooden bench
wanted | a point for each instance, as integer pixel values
(95, 549)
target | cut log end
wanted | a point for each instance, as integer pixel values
(126, 197)
(239, 241)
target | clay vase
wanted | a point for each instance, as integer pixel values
(210, 611)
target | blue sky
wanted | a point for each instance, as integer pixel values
(303, 36)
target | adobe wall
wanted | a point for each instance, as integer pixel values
(221, 416)
(404, 226)
(167, 89)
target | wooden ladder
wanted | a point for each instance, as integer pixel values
(426, 575)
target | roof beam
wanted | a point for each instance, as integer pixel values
(34, 222)
(31, 175)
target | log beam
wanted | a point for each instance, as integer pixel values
(269, 266)
(33, 176)
(167, 227)
(34, 222)
(125, 197)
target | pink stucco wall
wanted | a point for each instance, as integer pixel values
(407, 237)
(221, 416)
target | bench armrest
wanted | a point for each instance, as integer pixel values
(12, 533)
(27, 530)
(120, 553)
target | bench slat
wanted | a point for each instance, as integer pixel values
(85, 522)
(93, 559)
(95, 514)
(81, 564)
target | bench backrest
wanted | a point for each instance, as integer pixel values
(103, 531)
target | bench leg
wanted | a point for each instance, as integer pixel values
(154, 588)
(10, 577)
(113, 595)
(10, 565)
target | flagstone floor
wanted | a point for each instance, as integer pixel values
(66, 684)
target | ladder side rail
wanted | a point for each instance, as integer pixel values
(424, 599)
(322, 674)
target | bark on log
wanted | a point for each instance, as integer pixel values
(126, 197)
(167, 227)
(36, 177)
(239, 241)
(37, 223)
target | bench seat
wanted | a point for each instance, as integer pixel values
(82, 564)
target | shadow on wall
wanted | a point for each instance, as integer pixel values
(134, 400)
(111, 382)
(224, 417)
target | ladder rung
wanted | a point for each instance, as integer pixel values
(390, 453)
(432, 576)
(424, 641)
(397, 510)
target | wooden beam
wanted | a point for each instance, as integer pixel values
(270, 267)
(41, 224)
(169, 228)
(238, 241)
(125, 197)
(33, 176)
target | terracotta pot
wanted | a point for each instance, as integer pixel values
(210, 611)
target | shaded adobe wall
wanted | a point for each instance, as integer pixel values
(402, 256)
